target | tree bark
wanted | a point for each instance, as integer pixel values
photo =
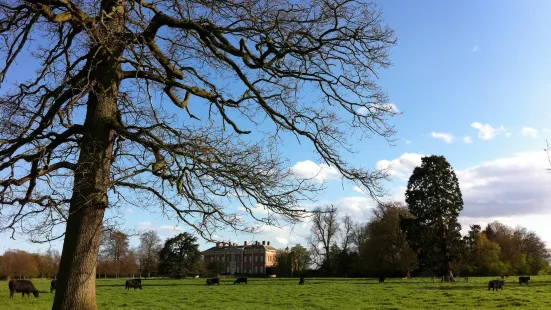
(77, 276)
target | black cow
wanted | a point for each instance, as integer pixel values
(134, 283)
(301, 282)
(523, 280)
(240, 280)
(53, 285)
(213, 281)
(495, 285)
(382, 279)
(23, 287)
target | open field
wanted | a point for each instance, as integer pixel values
(316, 294)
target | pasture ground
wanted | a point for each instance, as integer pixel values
(317, 293)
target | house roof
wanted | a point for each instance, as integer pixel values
(247, 247)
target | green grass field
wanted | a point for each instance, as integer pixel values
(336, 293)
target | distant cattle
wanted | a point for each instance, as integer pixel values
(53, 285)
(504, 276)
(240, 280)
(466, 279)
(23, 287)
(213, 281)
(134, 283)
(523, 280)
(301, 282)
(382, 279)
(495, 285)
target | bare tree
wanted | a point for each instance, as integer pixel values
(160, 98)
(148, 252)
(323, 232)
(114, 249)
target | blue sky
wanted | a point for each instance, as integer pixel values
(473, 80)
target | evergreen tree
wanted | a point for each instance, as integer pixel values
(180, 256)
(434, 199)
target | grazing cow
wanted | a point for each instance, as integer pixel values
(53, 285)
(240, 280)
(523, 280)
(301, 282)
(495, 285)
(23, 287)
(466, 279)
(213, 281)
(134, 283)
(382, 279)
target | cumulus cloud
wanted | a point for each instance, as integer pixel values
(447, 137)
(310, 170)
(467, 139)
(507, 186)
(401, 167)
(408, 142)
(510, 186)
(487, 132)
(529, 132)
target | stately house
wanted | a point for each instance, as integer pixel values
(252, 258)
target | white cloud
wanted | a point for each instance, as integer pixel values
(487, 132)
(384, 107)
(408, 142)
(401, 167)
(475, 48)
(282, 241)
(309, 170)
(516, 185)
(357, 189)
(467, 139)
(447, 137)
(128, 211)
(507, 186)
(529, 132)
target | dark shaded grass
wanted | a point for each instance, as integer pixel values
(319, 293)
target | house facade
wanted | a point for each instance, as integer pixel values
(242, 259)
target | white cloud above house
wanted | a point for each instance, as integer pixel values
(530, 132)
(318, 172)
(487, 132)
(447, 137)
(467, 139)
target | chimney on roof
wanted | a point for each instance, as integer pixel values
(218, 244)
(245, 243)
(263, 242)
(234, 244)
(268, 243)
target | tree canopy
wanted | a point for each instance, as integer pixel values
(182, 104)
(434, 200)
(180, 256)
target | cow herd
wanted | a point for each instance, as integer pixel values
(27, 287)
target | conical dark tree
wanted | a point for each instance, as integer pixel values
(180, 256)
(434, 199)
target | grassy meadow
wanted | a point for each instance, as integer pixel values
(335, 293)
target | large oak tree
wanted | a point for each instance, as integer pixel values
(179, 104)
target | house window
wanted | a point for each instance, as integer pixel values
(262, 258)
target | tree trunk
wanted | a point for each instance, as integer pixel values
(77, 282)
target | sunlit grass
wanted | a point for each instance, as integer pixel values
(316, 294)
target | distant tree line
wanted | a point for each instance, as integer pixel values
(17, 264)
(423, 236)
